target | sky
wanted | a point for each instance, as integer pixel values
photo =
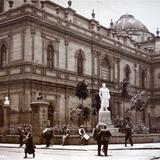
(147, 11)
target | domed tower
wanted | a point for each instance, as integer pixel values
(128, 25)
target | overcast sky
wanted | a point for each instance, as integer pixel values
(147, 11)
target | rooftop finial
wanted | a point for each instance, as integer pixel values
(69, 3)
(157, 32)
(10, 3)
(111, 23)
(93, 14)
(42, 4)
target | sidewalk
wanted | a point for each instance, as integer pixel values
(90, 147)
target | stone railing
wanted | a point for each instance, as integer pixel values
(75, 139)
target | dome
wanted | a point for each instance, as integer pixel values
(128, 22)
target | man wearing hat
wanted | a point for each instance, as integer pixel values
(105, 135)
(96, 136)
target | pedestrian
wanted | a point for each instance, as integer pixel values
(21, 137)
(48, 135)
(65, 136)
(128, 134)
(105, 136)
(29, 146)
(84, 137)
(96, 136)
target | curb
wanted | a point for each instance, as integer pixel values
(71, 149)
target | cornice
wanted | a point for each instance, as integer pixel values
(28, 16)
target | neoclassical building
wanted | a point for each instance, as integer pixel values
(47, 48)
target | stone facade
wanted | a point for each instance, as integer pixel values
(40, 45)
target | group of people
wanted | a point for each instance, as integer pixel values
(102, 136)
(48, 134)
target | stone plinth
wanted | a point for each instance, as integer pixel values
(105, 118)
(39, 119)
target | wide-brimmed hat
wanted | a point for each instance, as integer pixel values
(81, 126)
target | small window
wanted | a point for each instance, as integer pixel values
(80, 64)
(51, 114)
(105, 69)
(127, 72)
(50, 56)
(3, 51)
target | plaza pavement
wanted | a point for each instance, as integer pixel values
(90, 147)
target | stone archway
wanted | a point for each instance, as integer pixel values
(51, 115)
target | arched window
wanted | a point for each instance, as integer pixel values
(3, 51)
(143, 75)
(50, 114)
(105, 69)
(80, 63)
(50, 56)
(127, 72)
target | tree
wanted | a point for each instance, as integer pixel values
(81, 114)
(96, 104)
(139, 101)
(82, 90)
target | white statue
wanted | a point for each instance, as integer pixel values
(6, 102)
(104, 97)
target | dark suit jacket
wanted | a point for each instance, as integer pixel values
(105, 135)
(96, 135)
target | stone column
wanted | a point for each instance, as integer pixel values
(39, 119)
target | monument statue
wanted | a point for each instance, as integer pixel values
(104, 113)
(104, 97)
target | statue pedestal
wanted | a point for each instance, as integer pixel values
(105, 118)
(39, 119)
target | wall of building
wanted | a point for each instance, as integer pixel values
(27, 42)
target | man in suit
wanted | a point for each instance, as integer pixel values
(128, 134)
(105, 136)
(97, 137)
(48, 135)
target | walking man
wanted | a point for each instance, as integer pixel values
(105, 136)
(128, 134)
(30, 147)
(96, 136)
(48, 135)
